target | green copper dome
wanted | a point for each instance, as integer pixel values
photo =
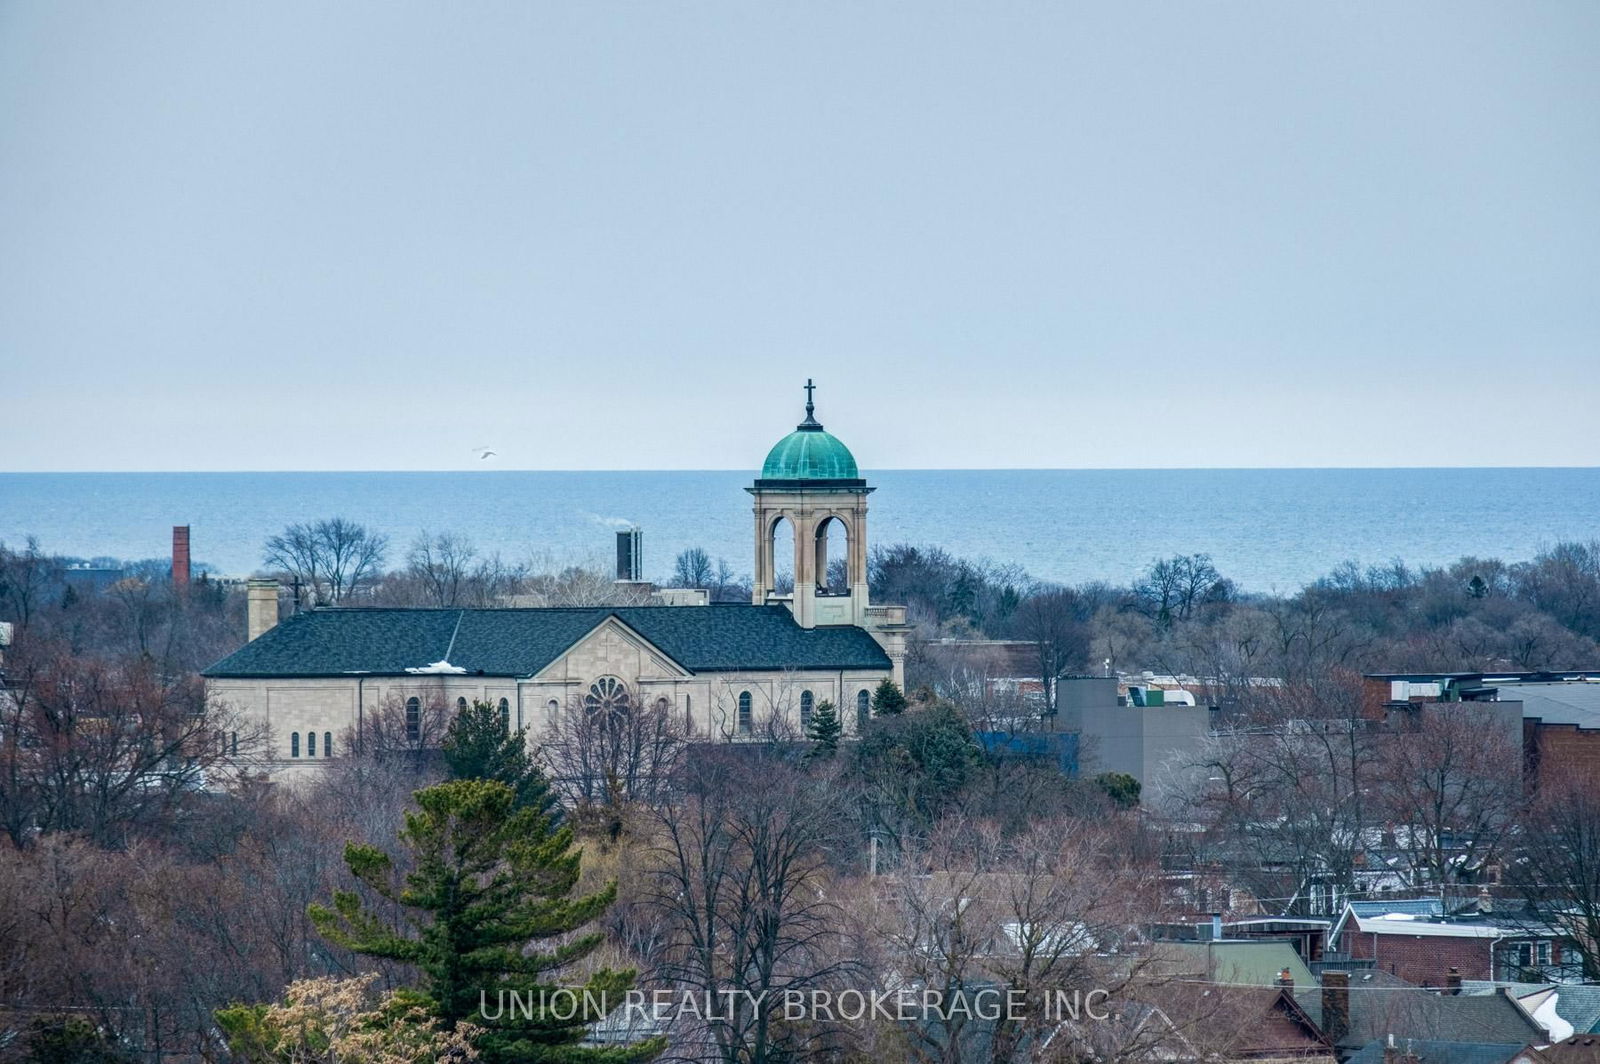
(810, 453)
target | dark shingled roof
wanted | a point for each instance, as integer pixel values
(520, 642)
(1382, 1004)
(1429, 1051)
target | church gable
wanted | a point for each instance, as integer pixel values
(612, 648)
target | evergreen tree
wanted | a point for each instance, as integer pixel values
(913, 767)
(888, 700)
(481, 746)
(824, 730)
(1120, 787)
(490, 894)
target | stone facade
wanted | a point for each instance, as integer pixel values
(313, 690)
(290, 709)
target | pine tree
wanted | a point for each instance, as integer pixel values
(824, 730)
(1120, 787)
(481, 746)
(887, 700)
(490, 894)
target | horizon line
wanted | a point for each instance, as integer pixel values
(748, 471)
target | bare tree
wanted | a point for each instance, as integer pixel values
(494, 582)
(740, 878)
(25, 576)
(611, 747)
(1032, 917)
(442, 565)
(1450, 786)
(1556, 864)
(332, 558)
(406, 728)
(551, 583)
(108, 749)
(1053, 620)
(1173, 588)
(1288, 793)
(1564, 581)
(692, 568)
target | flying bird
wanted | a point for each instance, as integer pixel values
(484, 452)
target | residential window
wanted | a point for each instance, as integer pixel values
(807, 703)
(744, 713)
(233, 738)
(553, 708)
(863, 709)
(294, 744)
(1528, 954)
(327, 744)
(688, 714)
(413, 720)
(505, 715)
(311, 744)
(461, 705)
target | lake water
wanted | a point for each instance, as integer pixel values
(1267, 529)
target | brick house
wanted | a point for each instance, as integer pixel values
(1430, 950)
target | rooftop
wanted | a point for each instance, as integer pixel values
(520, 642)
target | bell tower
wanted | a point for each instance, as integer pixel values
(810, 481)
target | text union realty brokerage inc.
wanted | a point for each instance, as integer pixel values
(565, 1004)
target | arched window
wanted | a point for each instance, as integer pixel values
(461, 705)
(327, 744)
(413, 720)
(663, 707)
(294, 744)
(744, 713)
(311, 744)
(807, 703)
(505, 715)
(553, 708)
(688, 714)
(863, 709)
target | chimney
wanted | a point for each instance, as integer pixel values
(1452, 981)
(180, 558)
(1285, 979)
(1336, 1005)
(630, 555)
(262, 603)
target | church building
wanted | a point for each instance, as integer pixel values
(727, 671)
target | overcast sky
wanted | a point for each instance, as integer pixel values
(620, 235)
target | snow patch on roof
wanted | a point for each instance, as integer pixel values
(437, 668)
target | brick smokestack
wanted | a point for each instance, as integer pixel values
(261, 602)
(180, 558)
(1336, 1005)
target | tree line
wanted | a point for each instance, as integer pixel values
(611, 849)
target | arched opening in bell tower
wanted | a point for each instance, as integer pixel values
(780, 548)
(833, 556)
